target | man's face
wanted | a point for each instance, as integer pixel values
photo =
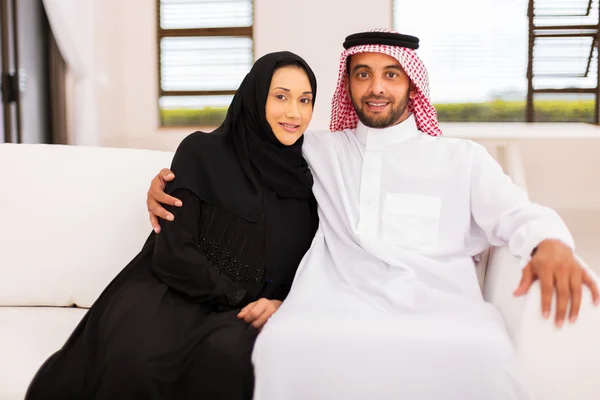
(379, 89)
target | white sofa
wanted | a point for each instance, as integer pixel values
(72, 217)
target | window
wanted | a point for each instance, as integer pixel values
(205, 49)
(476, 53)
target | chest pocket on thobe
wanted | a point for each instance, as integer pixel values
(411, 221)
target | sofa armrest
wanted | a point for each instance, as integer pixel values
(560, 363)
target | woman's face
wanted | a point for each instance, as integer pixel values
(289, 104)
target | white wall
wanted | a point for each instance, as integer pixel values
(126, 57)
(563, 173)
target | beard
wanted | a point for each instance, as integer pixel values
(381, 120)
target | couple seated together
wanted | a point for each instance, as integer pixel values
(326, 265)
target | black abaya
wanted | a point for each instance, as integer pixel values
(166, 327)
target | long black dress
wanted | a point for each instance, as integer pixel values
(166, 327)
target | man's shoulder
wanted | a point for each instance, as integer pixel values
(321, 136)
(456, 144)
(467, 145)
(454, 151)
(313, 135)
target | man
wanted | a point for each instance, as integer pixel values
(385, 304)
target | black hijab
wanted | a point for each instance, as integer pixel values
(280, 167)
(242, 168)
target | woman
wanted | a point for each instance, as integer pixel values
(169, 326)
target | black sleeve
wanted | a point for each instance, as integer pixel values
(179, 261)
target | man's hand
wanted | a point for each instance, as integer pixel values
(157, 196)
(257, 313)
(557, 269)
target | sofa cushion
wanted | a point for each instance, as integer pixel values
(72, 218)
(28, 336)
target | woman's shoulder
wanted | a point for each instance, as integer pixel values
(200, 148)
(200, 141)
(206, 165)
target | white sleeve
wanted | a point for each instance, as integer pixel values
(503, 210)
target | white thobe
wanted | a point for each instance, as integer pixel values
(386, 302)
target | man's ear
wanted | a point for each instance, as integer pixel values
(412, 91)
(347, 76)
(347, 85)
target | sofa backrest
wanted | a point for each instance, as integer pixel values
(71, 218)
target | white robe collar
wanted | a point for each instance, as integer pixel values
(374, 137)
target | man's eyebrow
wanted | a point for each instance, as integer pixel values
(394, 66)
(359, 66)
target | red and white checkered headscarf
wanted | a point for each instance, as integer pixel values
(343, 115)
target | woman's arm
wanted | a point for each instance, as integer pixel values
(179, 261)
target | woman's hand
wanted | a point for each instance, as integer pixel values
(258, 312)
